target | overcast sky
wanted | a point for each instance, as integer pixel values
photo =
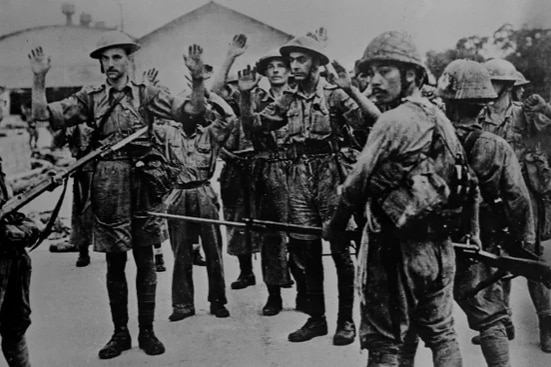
(435, 24)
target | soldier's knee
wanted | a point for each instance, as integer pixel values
(382, 358)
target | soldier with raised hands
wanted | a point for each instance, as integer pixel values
(126, 184)
(309, 120)
(192, 149)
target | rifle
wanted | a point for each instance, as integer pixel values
(534, 270)
(50, 183)
(249, 224)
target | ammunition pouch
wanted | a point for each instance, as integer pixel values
(420, 192)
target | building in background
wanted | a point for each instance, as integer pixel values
(213, 27)
(69, 45)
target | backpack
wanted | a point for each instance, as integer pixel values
(420, 188)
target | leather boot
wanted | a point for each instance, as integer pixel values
(149, 343)
(119, 342)
(159, 263)
(274, 304)
(345, 333)
(243, 281)
(312, 328)
(83, 258)
(545, 333)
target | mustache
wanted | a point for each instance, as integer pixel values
(111, 69)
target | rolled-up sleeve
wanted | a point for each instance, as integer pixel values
(70, 111)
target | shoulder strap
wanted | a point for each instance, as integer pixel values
(110, 111)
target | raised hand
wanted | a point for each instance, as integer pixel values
(237, 46)
(150, 77)
(319, 35)
(247, 79)
(194, 62)
(534, 103)
(40, 63)
(338, 75)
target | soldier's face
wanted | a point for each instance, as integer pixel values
(302, 65)
(277, 72)
(116, 63)
(385, 82)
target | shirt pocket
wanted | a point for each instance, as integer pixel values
(321, 119)
(204, 154)
(294, 124)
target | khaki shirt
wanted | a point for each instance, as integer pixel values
(195, 155)
(297, 118)
(136, 109)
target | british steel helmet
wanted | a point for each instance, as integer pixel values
(263, 62)
(305, 44)
(114, 39)
(521, 80)
(501, 70)
(466, 80)
(394, 46)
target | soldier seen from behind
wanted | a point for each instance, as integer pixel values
(506, 220)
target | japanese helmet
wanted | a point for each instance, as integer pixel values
(307, 45)
(114, 39)
(395, 46)
(467, 81)
(263, 62)
(501, 70)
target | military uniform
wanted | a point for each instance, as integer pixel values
(194, 157)
(406, 276)
(120, 194)
(521, 133)
(16, 232)
(308, 127)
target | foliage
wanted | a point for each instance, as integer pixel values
(528, 49)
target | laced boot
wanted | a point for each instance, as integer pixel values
(313, 327)
(120, 341)
(219, 310)
(345, 332)
(274, 304)
(149, 343)
(545, 333)
(159, 263)
(243, 281)
(83, 257)
(198, 259)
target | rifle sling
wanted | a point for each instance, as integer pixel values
(47, 230)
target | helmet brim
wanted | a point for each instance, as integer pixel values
(262, 64)
(286, 51)
(130, 47)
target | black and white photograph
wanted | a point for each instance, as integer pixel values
(292, 183)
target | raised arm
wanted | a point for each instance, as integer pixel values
(40, 65)
(340, 77)
(194, 63)
(247, 81)
(236, 48)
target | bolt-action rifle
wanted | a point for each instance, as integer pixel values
(53, 181)
(525, 266)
